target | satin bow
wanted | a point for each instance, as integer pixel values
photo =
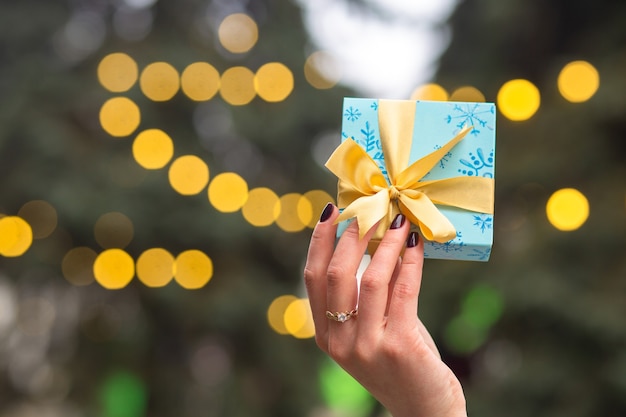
(365, 193)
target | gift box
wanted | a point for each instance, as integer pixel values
(432, 161)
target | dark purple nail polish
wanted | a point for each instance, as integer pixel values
(413, 240)
(398, 222)
(328, 210)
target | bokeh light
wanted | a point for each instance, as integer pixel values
(193, 269)
(114, 269)
(467, 93)
(578, 81)
(188, 175)
(123, 394)
(113, 230)
(299, 319)
(200, 81)
(238, 33)
(276, 313)
(237, 87)
(262, 207)
(228, 192)
(159, 81)
(153, 149)
(322, 70)
(155, 267)
(41, 216)
(518, 100)
(273, 82)
(117, 72)
(77, 266)
(16, 236)
(431, 92)
(481, 308)
(296, 212)
(318, 200)
(119, 116)
(342, 393)
(567, 209)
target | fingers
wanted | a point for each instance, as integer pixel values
(320, 253)
(402, 312)
(375, 283)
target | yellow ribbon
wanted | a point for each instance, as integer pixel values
(364, 193)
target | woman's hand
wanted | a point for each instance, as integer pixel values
(384, 346)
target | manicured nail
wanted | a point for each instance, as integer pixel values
(413, 240)
(328, 210)
(398, 222)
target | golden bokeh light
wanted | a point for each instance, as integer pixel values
(117, 72)
(159, 81)
(238, 33)
(431, 92)
(237, 87)
(273, 82)
(153, 149)
(567, 209)
(155, 267)
(114, 269)
(262, 207)
(295, 212)
(188, 175)
(41, 216)
(77, 266)
(200, 81)
(276, 313)
(228, 192)
(578, 81)
(113, 230)
(322, 70)
(119, 116)
(193, 269)
(16, 236)
(518, 100)
(467, 93)
(299, 319)
(318, 200)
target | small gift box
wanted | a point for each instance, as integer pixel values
(431, 161)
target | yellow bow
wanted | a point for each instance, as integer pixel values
(364, 192)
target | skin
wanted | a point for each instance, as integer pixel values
(386, 347)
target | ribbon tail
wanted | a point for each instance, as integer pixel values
(368, 211)
(432, 223)
(469, 193)
(418, 169)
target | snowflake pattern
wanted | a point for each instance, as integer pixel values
(480, 254)
(372, 146)
(483, 221)
(352, 114)
(374, 105)
(478, 164)
(470, 114)
(444, 159)
(454, 245)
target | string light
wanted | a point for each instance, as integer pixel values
(238, 33)
(188, 175)
(77, 266)
(200, 81)
(432, 92)
(578, 81)
(322, 70)
(295, 212)
(41, 216)
(16, 236)
(228, 192)
(113, 230)
(567, 209)
(237, 88)
(114, 269)
(518, 100)
(299, 319)
(155, 267)
(262, 207)
(153, 149)
(276, 313)
(467, 93)
(273, 82)
(119, 116)
(117, 72)
(193, 269)
(159, 81)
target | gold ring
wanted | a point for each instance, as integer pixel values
(342, 316)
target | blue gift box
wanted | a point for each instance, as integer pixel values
(434, 125)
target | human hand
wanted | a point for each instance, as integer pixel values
(384, 346)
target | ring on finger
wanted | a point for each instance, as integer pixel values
(342, 316)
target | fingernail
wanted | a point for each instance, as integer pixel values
(398, 221)
(328, 210)
(413, 240)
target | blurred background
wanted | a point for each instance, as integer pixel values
(161, 167)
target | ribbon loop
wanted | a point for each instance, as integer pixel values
(365, 193)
